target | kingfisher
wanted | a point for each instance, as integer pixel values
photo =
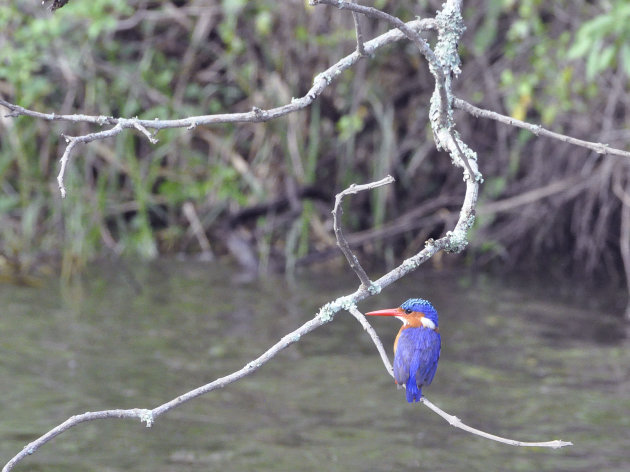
(417, 345)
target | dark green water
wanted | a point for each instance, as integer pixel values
(517, 361)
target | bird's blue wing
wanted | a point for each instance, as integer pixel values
(402, 361)
(423, 359)
(428, 356)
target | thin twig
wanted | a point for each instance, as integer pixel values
(72, 142)
(143, 415)
(144, 131)
(455, 421)
(538, 130)
(375, 339)
(436, 67)
(359, 33)
(149, 416)
(342, 242)
(114, 131)
(188, 209)
(320, 82)
(381, 15)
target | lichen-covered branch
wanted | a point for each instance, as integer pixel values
(599, 148)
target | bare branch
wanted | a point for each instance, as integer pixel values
(342, 242)
(74, 140)
(538, 130)
(462, 155)
(17, 110)
(452, 420)
(320, 83)
(149, 416)
(143, 415)
(359, 32)
(455, 421)
(197, 229)
(381, 15)
(375, 339)
(325, 315)
(435, 66)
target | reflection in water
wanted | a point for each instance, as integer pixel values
(515, 361)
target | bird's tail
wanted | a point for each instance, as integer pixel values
(414, 393)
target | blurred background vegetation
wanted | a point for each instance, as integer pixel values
(263, 193)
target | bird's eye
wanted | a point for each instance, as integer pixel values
(409, 311)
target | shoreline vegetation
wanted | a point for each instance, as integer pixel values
(262, 193)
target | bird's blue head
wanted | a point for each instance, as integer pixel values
(420, 305)
(415, 312)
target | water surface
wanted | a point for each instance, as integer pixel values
(518, 360)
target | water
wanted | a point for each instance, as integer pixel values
(517, 360)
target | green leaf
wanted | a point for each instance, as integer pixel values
(579, 48)
(606, 58)
(592, 62)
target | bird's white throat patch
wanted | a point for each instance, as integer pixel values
(427, 323)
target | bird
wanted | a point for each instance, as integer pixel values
(417, 345)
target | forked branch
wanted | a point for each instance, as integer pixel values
(342, 242)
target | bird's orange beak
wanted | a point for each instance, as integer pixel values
(387, 312)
